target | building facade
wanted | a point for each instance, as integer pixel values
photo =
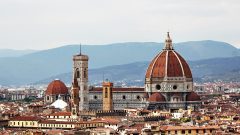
(168, 86)
(121, 98)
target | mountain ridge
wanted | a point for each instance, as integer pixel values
(15, 53)
(134, 73)
(36, 66)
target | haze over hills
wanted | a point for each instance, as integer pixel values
(39, 65)
(225, 69)
(14, 53)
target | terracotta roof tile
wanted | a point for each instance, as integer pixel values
(176, 66)
(164, 128)
(26, 118)
(56, 87)
(61, 114)
(193, 96)
(156, 97)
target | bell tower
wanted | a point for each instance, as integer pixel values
(80, 70)
(107, 96)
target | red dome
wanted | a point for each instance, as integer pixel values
(156, 97)
(56, 87)
(170, 64)
(193, 96)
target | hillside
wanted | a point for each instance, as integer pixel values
(224, 69)
(43, 64)
(14, 53)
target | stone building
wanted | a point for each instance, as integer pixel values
(168, 86)
(121, 98)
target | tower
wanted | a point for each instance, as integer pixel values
(107, 96)
(80, 69)
(75, 96)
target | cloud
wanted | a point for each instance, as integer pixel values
(46, 24)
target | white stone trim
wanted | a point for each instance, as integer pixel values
(166, 66)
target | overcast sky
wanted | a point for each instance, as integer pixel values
(42, 24)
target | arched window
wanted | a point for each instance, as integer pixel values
(77, 73)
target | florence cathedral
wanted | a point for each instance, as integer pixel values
(168, 86)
